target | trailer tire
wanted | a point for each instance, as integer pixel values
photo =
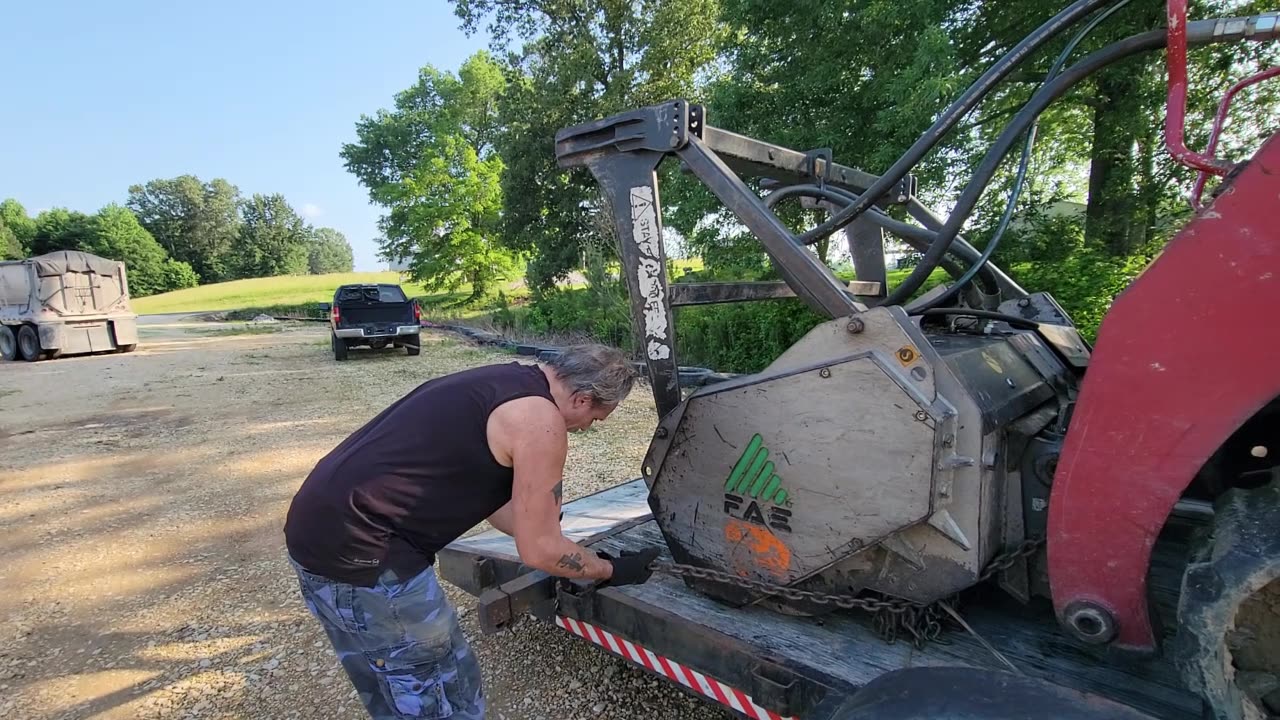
(8, 343)
(339, 348)
(29, 344)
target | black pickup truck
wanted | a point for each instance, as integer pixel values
(375, 316)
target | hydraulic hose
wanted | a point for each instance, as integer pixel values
(1023, 165)
(1200, 32)
(962, 249)
(952, 115)
(918, 237)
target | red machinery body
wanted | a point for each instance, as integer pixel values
(1187, 354)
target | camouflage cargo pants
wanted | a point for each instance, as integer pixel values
(400, 643)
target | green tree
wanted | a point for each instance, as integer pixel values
(442, 219)
(272, 240)
(62, 229)
(16, 229)
(579, 61)
(430, 163)
(10, 248)
(177, 275)
(328, 252)
(195, 221)
(115, 233)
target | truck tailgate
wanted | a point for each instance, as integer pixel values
(376, 313)
(766, 665)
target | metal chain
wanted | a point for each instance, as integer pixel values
(1005, 560)
(848, 602)
(894, 618)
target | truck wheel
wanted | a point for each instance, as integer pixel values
(128, 348)
(29, 343)
(416, 347)
(339, 348)
(8, 343)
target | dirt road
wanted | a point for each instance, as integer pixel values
(143, 571)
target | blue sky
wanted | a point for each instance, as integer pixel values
(99, 96)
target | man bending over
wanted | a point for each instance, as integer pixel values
(364, 528)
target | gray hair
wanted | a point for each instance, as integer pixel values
(602, 372)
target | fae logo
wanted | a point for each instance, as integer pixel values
(753, 482)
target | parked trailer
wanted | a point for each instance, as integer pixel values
(766, 665)
(64, 303)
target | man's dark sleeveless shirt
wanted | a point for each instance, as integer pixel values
(409, 482)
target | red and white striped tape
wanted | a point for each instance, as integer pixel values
(674, 671)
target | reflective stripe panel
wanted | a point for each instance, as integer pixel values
(698, 682)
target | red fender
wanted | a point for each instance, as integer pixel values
(1187, 354)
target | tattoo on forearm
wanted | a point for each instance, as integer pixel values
(571, 562)
(558, 490)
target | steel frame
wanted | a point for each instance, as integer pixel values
(623, 153)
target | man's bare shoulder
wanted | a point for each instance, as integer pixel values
(529, 420)
(531, 410)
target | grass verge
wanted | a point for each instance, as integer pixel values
(263, 292)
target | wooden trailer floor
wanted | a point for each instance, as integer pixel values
(842, 645)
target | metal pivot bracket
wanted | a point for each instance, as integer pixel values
(904, 191)
(818, 164)
(697, 119)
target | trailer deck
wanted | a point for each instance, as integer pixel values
(764, 664)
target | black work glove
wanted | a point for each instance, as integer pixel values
(632, 566)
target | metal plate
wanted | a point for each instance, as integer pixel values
(778, 478)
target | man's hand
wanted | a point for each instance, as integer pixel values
(531, 433)
(632, 566)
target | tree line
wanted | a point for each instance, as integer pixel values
(463, 163)
(179, 232)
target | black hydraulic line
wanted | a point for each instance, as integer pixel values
(1023, 165)
(968, 199)
(914, 234)
(843, 198)
(1199, 32)
(1013, 320)
(953, 114)
(963, 250)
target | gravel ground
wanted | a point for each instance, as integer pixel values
(142, 498)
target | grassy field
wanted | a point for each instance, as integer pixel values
(263, 292)
(295, 290)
